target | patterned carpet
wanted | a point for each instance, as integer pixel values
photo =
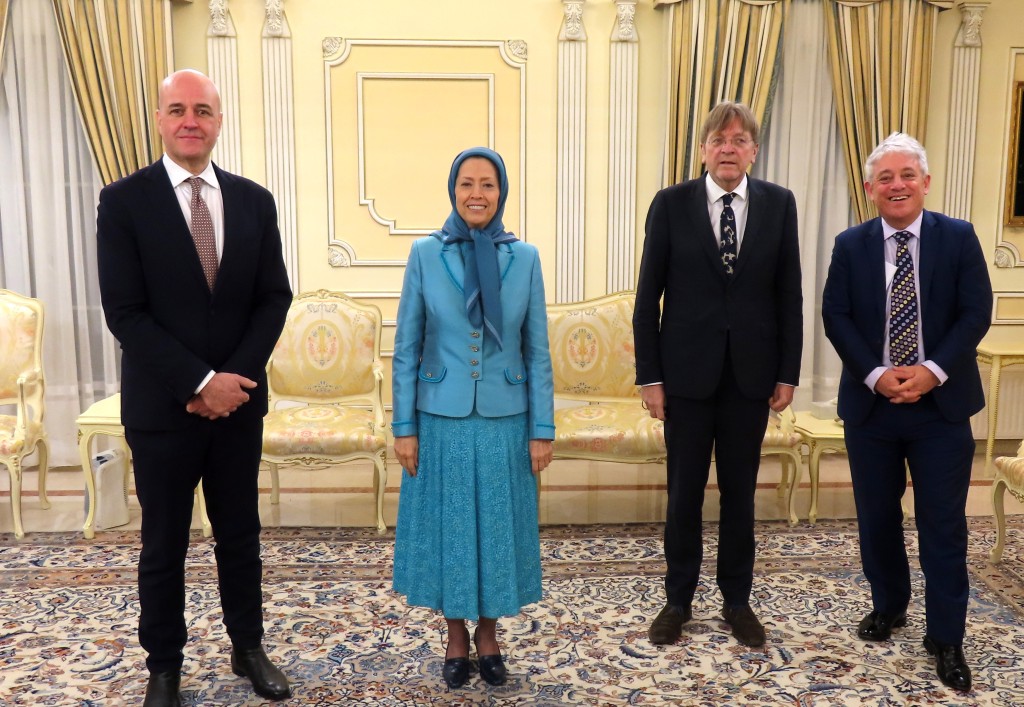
(69, 613)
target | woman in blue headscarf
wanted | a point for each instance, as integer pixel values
(473, 417)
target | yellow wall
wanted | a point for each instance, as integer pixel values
(537, 22)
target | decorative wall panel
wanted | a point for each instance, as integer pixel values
(397, 113)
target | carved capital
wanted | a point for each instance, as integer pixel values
(275, 24)
(220, 22)
(969, 34)
(625, 22)
(572, 24)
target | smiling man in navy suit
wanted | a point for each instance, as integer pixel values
(906, 302)
(195, 290)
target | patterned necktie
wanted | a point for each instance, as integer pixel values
(202, 232)
(727, 248)
(903, 307)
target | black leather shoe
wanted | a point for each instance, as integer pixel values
(162, 690)
(667, 626)
(878, 626)
(745, 627)
(950, 664)
(267, 680)
(492, 667)
(456, 670)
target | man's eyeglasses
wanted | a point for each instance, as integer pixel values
(738, 142)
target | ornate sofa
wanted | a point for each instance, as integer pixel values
(594, 366)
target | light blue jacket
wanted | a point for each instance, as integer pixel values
(445, 366)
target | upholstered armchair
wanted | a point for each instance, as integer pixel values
(1009, 475)
(22, 385)
(325, 379)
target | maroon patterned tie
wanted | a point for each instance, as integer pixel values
(202, 232)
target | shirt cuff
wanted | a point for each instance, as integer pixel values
(872, 380)
(206, 380)
(934, 368)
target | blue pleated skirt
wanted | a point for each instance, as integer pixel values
(467, 541)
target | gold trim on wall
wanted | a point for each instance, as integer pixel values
(1014, 212)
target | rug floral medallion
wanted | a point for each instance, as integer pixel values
(70, 610)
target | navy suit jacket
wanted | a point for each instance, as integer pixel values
(956, 309)
(687, 308)
(171, 328)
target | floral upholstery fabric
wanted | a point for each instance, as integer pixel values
(17, 345)
(9, 446)
(325, 430)
(325, 351)
(592, 349)
(616, 431)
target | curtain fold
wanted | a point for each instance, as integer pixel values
(720, 50)
(4, 4)
(48, 222)
(116, 54)
(880, 55)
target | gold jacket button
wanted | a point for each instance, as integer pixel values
(474, 362)
(519, 377)
(475, 374)
(475, 334)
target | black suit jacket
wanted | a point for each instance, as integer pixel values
(956, 309)
(681, 341)
(171, 328)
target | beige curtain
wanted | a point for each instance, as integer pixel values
(4, 15)
(721, 50)
(116, 52)
(880, 55)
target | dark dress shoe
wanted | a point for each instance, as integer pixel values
(667, 626)
(745, 627)
(492, 667)
(267, 680)
(950, 665)
(162, 690)
(456, 670)
(878, 626)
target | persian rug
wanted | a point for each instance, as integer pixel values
(69, 612)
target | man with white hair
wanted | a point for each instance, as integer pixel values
(907, 301)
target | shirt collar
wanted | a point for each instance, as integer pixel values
(913, 229)
(179, 174)
(716, 192)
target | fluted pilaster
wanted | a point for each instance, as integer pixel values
(572, 146)
(622, 121)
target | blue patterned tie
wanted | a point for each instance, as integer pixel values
(727, 248)
(903, 307)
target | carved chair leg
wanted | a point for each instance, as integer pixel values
(275, 484)
(380, 482)
(998, 489)
(14, 470)
(44, 461)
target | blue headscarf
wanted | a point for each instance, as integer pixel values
(483, 281)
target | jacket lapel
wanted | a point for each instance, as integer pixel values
(451, 260)
(930, 243)
(874, 256)
(165, 203)
(698, 207)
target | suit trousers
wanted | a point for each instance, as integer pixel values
(733, 425)
(224, 455)
(939, 454)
